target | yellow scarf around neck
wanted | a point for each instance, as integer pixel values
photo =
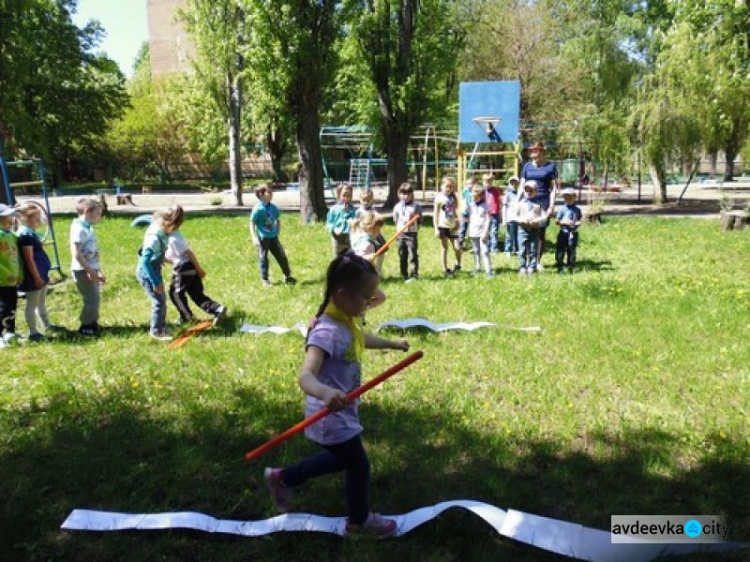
(356, 350)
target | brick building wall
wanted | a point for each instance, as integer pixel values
(170, 45)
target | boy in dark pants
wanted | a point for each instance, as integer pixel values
(10, 276)
(403, 212)
(569, 218)
(265, 228)
(187, 279)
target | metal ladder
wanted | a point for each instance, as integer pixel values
(4, 165)
(360, 172)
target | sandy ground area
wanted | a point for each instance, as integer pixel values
(699, 200)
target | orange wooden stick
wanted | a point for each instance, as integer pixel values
(255, 453)
(183, 338)
(384, 247)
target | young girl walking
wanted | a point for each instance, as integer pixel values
(151, 258)
(36, 266)
(332, 368)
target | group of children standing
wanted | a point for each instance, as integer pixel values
(477, 216)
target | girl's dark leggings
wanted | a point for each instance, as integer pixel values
(349, 456)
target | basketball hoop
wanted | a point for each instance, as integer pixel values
(489, 125)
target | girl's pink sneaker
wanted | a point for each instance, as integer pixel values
(375, 525)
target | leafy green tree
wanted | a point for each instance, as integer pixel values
(60, 96)
(710, 42)
(410, 48)
(271, 118)
(149, 135)
(219, 33)
(294, 55)
(601, 75)
(517, 40)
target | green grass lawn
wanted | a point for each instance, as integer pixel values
(633, 400)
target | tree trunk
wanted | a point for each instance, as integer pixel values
(659, 179)
(312, 200)
(730, 154)
(235, 159)
(398, 173)
(732, 147)
(275, 143)
(714, 156)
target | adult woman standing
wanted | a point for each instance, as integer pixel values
(544, 173)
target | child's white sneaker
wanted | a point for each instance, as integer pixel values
(161, 336)
(11, 338)
(221, 313)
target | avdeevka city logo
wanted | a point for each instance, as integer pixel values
(693, 528)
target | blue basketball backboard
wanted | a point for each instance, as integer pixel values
(489, 99)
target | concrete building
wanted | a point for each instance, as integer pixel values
(170, 45)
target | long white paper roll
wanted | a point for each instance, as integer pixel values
(554, 535)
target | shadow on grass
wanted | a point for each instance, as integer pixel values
(113, 455)
(591, 265)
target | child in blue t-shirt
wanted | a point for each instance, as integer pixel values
(569, 218)
(265, 227)
(152, 256)
(337, 220)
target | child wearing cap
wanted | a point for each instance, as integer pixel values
(10, 276)
(569, 219)
(493, 197)
(510, 216)
(530, 220)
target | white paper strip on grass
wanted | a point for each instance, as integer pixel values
(435, 327)
(255, 329)
(553, 535)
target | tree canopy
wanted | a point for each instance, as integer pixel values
(58, 95)
(667, 80)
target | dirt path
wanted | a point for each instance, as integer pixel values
(700, 200)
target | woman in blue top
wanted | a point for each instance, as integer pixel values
(544, 173)
(151, 258)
